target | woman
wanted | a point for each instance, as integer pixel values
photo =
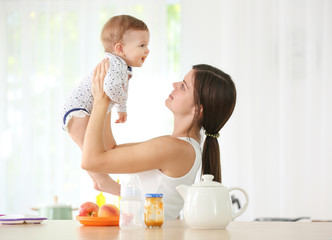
(205, 99)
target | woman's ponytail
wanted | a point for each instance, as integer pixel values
(211, 155)
(215, 97)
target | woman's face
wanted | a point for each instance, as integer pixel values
(181, 100)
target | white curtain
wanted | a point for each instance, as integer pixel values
(46, 47)
(277, 145)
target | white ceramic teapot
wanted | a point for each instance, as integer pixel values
(208, 205)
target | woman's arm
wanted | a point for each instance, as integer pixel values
(109, 140)
(94, 135)
(172, 156)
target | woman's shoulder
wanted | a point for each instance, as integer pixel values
(168, 139)
(171, 144)
(177, 155)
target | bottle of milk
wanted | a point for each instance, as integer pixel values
(131, 203)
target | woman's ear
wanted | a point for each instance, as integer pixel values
(119, 49)
(200, 109)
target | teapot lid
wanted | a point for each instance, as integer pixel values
(207, 182)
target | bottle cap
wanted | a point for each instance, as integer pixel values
(131, 192)
(100, 199)
(151, 195)
(131, 186)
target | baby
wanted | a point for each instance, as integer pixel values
(125, 40)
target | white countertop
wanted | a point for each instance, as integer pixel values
(171, 230)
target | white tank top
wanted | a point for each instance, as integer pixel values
(154, 181)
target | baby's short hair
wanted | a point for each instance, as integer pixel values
(115, 28)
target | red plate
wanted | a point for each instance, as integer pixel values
(98, 221)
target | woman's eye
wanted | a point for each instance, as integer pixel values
(142, 45)
(182, 86)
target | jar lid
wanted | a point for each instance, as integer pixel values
(150, 195)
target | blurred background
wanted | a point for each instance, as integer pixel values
(277, 144)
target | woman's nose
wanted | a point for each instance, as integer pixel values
(175, 84)
(147, 51)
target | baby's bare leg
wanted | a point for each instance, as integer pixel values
(77, 128)
(101, 182)
(105, 182)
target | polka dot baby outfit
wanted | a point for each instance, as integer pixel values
(80, 101)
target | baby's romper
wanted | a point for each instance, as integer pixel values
(80, 101)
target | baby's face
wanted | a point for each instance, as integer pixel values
(135, 47)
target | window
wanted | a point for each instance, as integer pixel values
(47, 47)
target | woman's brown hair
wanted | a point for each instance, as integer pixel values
(215, 98)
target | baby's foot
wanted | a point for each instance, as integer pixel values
(108, 185)
(94, 180)
(104, 183)
(96, 186)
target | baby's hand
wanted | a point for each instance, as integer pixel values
(122, 117)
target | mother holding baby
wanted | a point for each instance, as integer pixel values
(203, 100)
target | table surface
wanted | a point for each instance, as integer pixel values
(177, 229)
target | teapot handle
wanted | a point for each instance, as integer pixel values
(235, 215)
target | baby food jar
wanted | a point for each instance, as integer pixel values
(154, 210)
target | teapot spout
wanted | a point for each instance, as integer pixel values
(182, 189)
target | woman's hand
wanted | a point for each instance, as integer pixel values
(97, 88)
(93, 144)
